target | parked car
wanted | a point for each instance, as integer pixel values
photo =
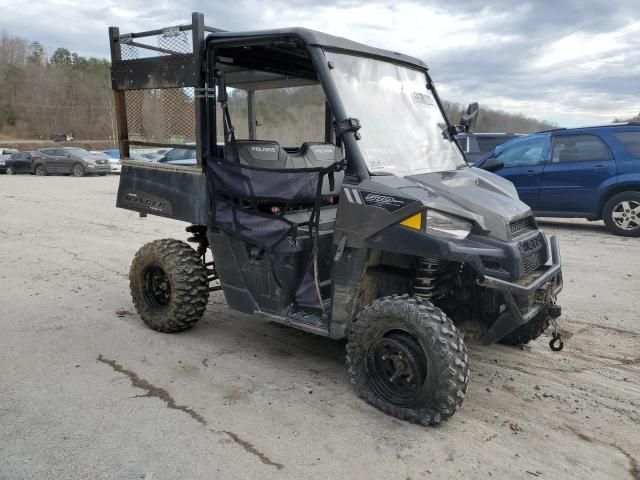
(5, 153)
(179, 156)
(145, 156)
(26, 162)
(476, 145)
(591, 172)
(61, 137)
(73, 160)
(113, 153)
(114, 163)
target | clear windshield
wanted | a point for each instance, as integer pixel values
(403, 131)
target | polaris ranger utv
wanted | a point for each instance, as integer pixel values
(349, 213)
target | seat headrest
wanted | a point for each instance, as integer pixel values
(259, 153)
(321, 153)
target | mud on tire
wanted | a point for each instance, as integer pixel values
(169, 285)
(429, 335)
(529, 331)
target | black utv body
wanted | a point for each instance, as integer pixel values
(373, 229)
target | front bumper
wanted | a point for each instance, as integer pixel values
(98, 168)
(536, 291)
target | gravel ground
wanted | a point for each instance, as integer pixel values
(87, 391)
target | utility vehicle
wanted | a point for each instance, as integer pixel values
(328, 194)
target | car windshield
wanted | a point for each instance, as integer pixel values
(77, 151)
(402, 129)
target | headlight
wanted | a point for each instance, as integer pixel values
(447, 226)
(90, 161)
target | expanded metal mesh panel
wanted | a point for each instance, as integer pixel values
(533, 260)
(172, 41)
(523, 225)
(165, 115)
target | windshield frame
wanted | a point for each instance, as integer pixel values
(449, 128)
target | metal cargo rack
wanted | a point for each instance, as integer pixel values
(158, 81)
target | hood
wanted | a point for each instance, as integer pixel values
(487, 199)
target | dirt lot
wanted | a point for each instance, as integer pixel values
(87, 391)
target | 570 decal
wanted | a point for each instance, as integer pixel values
(390, 203)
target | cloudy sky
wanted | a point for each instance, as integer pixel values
(573, 62)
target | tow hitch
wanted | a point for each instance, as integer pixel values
(556, 344)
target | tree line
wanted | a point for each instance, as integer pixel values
(43, 93)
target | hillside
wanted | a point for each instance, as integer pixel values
(60, 91)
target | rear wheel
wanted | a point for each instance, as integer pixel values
(406, 358)
(78, 170)
(41, 171)
(621, 214)
(10, 171)
(169, 285)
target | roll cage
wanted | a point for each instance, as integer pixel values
(186, 58)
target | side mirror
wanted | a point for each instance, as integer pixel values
(492, 164)
(469, 119)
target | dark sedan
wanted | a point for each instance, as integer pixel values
(26, 162)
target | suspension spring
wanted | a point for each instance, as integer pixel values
(199, 236)
(426, 276)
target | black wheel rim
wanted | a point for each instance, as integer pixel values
(397, 367)
(156, 287)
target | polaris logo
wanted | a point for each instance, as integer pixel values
(264, 149)
(323, 150)
(530, 245)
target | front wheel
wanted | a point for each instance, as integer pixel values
(78, 170)
(621, 214)
(406, 358)
(10, 171)
(169, 285)
(41, 171)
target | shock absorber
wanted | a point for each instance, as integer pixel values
(199, 236)
(426, 276)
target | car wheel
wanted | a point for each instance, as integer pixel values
(78, 170)
(41, 171)
(406, 358)
(10, 171)
(621, 214)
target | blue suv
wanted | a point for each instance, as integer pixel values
(591, 172)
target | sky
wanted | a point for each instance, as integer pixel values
(571, 62)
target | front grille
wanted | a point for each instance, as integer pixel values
(522, 226)
(532, 260)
